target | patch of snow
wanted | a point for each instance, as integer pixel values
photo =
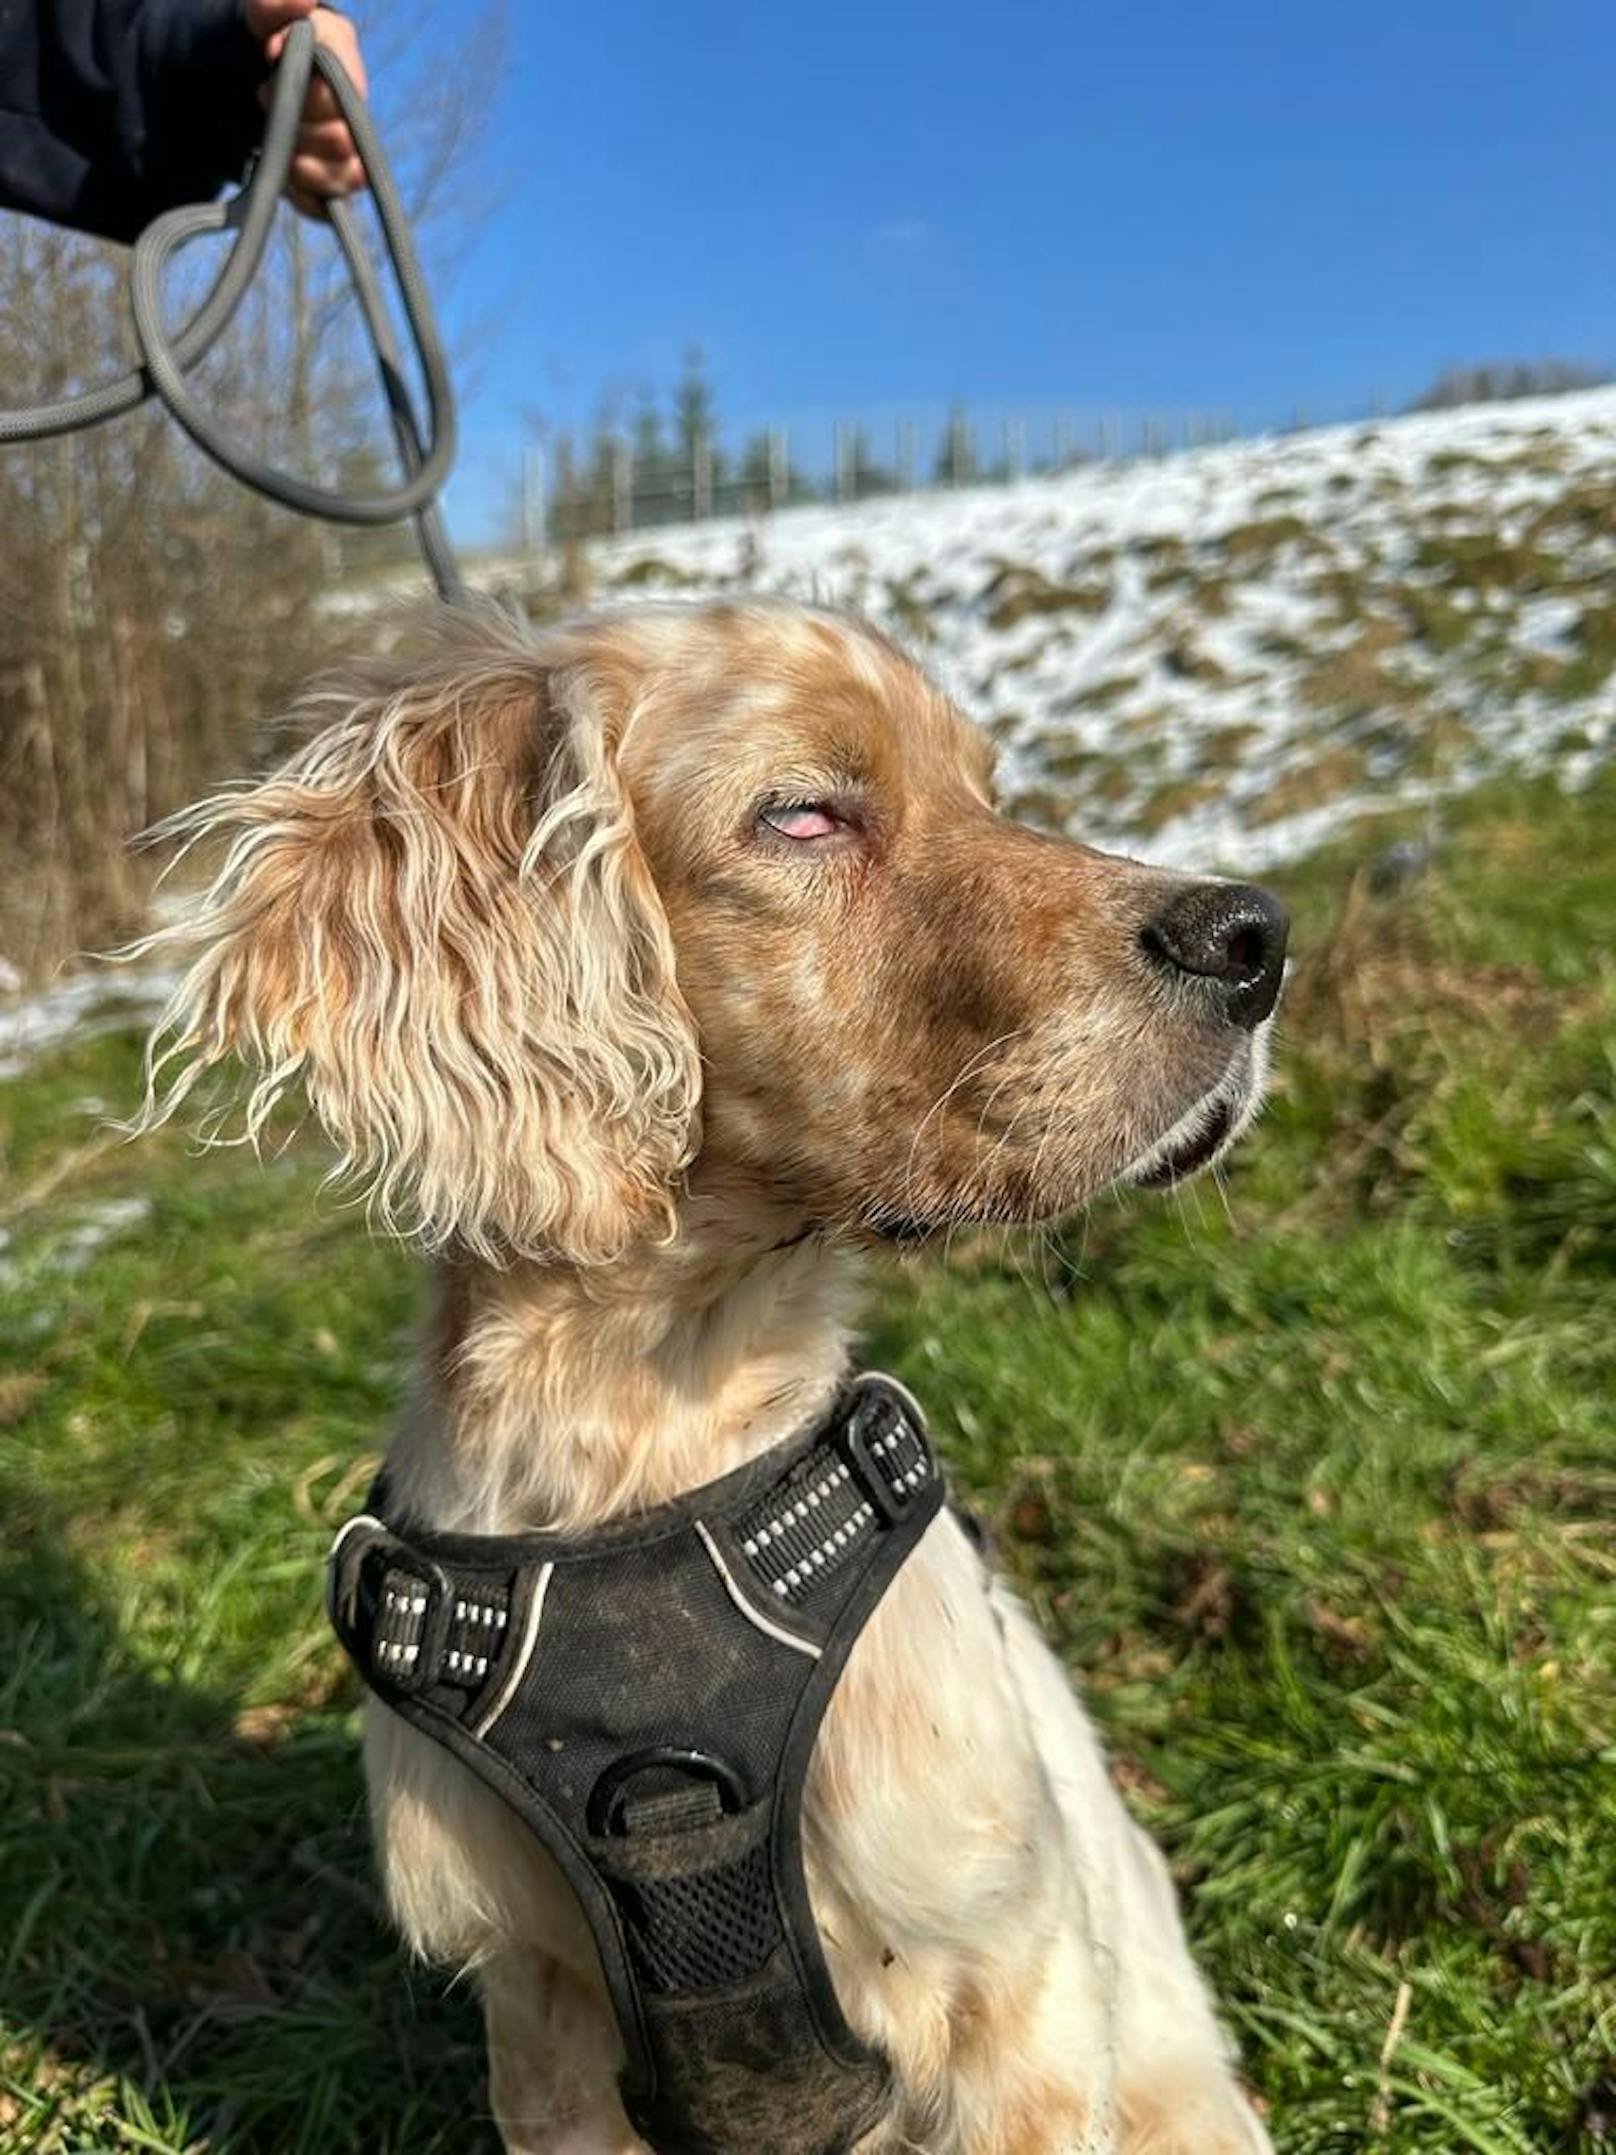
(77, 1007)
(70, 1252)
(1369, 509)
(1188, 597)
(97, 1226)
(1545, 625)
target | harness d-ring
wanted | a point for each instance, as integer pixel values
(609, 1796)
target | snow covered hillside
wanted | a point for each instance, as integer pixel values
(1214, 660)
(1222, 656)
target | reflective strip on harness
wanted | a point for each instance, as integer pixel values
(647, 1697)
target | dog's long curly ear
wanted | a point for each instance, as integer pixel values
(436, 917)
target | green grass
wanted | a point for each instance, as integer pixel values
(1315, 1484)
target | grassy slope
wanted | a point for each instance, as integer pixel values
(1317, 1488)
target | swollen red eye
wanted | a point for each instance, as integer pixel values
(802, 819)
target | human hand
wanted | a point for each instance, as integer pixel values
(325, 162)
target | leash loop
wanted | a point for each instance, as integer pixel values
(426, 453)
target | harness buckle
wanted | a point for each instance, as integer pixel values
(887, 1448)
(390, 1605)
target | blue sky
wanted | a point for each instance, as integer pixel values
(864, 210)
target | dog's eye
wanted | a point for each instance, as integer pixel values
(806, 821)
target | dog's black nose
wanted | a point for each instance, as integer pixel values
(1229, 934)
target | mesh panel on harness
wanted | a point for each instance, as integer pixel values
(647, 1698)
(719, 1926)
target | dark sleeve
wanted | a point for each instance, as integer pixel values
(112, 110)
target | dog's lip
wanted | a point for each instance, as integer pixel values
(1183, 1159)
(1205, 1130)
(902, 1229)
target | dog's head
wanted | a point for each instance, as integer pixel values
(553, 927)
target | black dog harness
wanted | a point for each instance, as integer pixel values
(647, 1697)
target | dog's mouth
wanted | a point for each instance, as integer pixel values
(1207, 1130)
(1201, 1135)
(1189, 1156)
(903, 1230)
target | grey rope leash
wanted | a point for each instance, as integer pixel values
(426, 456)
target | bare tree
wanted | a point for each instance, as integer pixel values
(1502, 380)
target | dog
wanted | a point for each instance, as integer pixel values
(649, 970)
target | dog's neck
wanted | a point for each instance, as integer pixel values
(556, 1397)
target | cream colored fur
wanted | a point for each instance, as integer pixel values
(648, 1077)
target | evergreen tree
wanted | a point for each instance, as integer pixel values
(956, 456)
(655, 484)
(869, 477)
(693, 405)
(695, 432)
(753, 478)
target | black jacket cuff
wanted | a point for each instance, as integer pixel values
(202, 73)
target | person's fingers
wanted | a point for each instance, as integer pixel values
(321, 102)
(325, 162)
(323, 176)
(320, 107)
(329, 140)
(339, 34)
